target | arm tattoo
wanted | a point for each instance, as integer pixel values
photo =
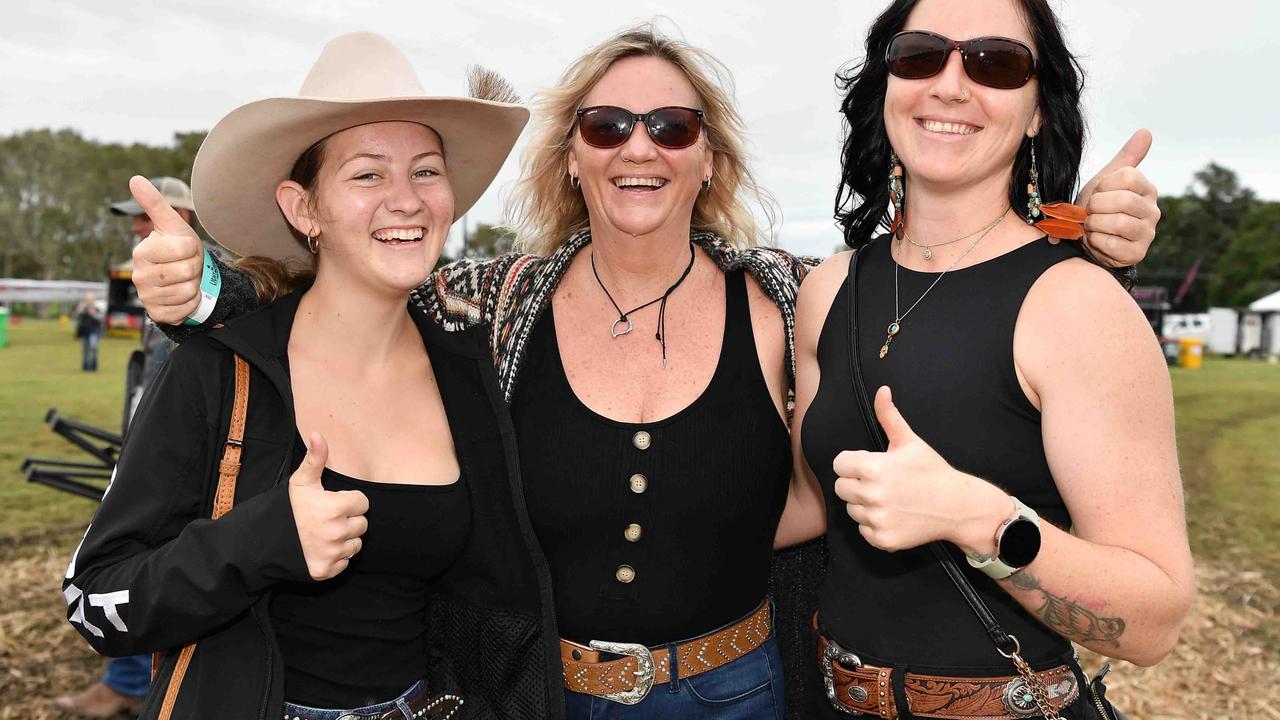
(1070, 619)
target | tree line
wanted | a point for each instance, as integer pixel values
(56, 185)
(1219, 236)
(55, 189)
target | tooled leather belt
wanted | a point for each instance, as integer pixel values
(628, 679)
(857, 688)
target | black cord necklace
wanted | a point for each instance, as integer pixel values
(624, 317)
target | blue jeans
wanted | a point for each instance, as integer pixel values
(129, 676)
(89, 351)
(291, 709)
(749, 688)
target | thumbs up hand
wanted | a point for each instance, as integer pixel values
(1122, 208)
(908, 496)
(168, 262)
(330, 524)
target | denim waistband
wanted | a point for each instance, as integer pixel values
(293, 711)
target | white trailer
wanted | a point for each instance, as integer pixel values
(1250, 333)
(1224, 331)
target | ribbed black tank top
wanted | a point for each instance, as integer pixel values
(952, 373)
(658, 541)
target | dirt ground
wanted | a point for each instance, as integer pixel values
(1227, 665)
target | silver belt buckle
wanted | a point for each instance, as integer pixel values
(644, 672)
(1021, 703)
(833, 653)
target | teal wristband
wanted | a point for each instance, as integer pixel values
(210, 286)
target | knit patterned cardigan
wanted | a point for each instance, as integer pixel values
(511, 292)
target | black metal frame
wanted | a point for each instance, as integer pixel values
(70, 475)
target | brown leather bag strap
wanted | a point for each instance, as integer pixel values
(223, 499)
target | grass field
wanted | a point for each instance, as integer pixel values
(1228, 439)
(40, 369)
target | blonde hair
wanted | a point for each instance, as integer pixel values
(545, 211)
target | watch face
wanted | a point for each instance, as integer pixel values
(1020, 543)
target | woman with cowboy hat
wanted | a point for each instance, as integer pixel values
(353, 454)
(643, 341)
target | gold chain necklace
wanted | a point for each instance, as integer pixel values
(895, 327)
(927, 250)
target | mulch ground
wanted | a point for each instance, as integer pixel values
(1226, 666)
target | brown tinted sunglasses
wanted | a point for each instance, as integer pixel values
(606, 126)
(996, 62)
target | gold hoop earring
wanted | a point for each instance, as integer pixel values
(313, 245)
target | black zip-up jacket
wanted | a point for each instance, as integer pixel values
(154, 573)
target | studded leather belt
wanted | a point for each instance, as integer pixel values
(629, 678)
(857, 688)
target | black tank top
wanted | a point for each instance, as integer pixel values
(952, 373)
(360, 638)
(660, 531)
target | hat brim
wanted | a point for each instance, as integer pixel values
(254, 148)
(126, 207)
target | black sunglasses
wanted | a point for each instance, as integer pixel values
(606, 126)
(992, 61)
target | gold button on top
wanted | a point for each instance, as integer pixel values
(642, 440)
(633, 532)
(639, 483)
(625, 573)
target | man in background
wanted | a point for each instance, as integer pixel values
(127, 679)
(89, 329)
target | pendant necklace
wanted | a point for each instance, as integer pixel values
(624, 318)
(927, 250)
(895, 327)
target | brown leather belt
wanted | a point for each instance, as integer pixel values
(628, 679)
(423, 705)
(860, 689)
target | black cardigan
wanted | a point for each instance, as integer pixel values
(154, 573)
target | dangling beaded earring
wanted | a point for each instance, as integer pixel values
(897, 192)
(1033, 189)
(1058, 220)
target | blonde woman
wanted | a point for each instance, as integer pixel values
(643, 341)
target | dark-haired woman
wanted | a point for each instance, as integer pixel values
(1024, 401)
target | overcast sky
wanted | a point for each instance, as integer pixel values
(1200, 75)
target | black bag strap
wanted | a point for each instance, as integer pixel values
(1004, 642)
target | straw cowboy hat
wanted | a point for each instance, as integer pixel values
(360, 78)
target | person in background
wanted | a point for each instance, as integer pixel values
(89, 331)
(177, 194)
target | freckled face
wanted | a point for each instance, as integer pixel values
(385, 203)
(948, 129)
(640, 187)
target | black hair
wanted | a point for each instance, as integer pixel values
(862, 198)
